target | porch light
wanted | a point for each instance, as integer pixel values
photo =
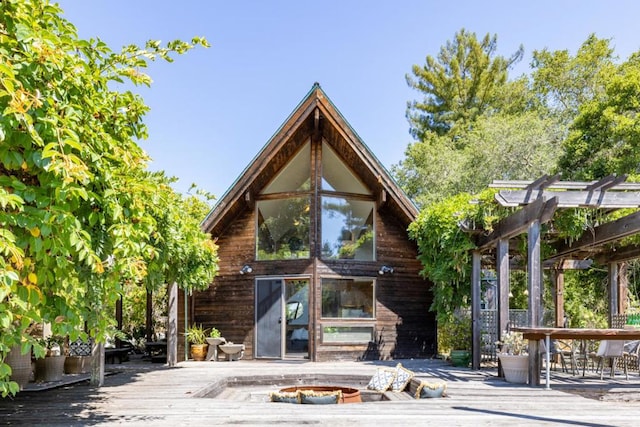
(385, 269)
(246, 269)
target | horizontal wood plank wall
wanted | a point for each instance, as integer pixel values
(404, 326)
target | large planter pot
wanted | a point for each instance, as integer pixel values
(20, 366)
(460, 357)
(515, 367)
(199, 352)
(51, 368)
(78, 364)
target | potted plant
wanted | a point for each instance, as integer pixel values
(513, 357)
(51, 367)
(197, 336)
(79, 359)
(20, 364)
(458, 337)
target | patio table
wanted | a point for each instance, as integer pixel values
(539, 333)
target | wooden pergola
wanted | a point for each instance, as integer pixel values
(539, 200)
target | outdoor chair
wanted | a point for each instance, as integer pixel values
(631, 355)
(559, 350)
(612, 350)
(578, 354)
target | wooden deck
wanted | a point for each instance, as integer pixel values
(152, 394)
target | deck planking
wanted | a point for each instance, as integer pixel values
(146, 394)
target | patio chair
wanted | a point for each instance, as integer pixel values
(579, 354)
(631, 355)
(612, 350)
(562, 350)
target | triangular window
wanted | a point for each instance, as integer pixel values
(295, 176)
(336, 176)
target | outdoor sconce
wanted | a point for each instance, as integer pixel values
(246, 269)
(385, 269)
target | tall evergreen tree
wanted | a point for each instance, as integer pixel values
(459, 85)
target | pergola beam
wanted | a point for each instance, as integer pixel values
(518, 223)
(605, 233)
(625, 253)
(608, 193)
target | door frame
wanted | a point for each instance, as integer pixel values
(283, 325)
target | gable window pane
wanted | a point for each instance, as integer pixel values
(294, 176)
(283, 229)
(347, 298)
(337, 176)
(347, 229)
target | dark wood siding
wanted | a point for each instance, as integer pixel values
(404, 327)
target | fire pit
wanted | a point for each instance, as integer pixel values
(349, 395)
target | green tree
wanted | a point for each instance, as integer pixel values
(564, 82)
(605, 136)
(459, 85)
(496, 147)
(80, 217)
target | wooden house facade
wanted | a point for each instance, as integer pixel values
(315, 260)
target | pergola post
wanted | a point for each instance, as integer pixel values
(558, 297)
(613, 292)
(534, 279)
(503, 276)
(475, 310)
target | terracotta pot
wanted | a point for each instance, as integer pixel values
(199, 352)
(20, 366)
(49, 369)
(515, 367)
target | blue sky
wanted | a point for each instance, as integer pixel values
(212, 110)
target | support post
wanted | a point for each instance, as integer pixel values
(172, 327)
(97, 364)
(534, 279)
(475, 311)
(149, 317)
(558, 297)
(502, 272)
(119, 320)
(613, 291)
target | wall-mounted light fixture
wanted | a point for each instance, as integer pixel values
(246, 269)
(385, 269)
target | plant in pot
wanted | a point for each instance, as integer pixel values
(197, 336)
(458, 337)
(18, 357)
(79, 359)
(513, 357)
(51, 366)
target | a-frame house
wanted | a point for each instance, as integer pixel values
(315, 260)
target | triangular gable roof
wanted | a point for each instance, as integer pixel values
(315, 115)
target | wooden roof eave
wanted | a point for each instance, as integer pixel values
(238, 190)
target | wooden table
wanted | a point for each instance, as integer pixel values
(547, 334)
